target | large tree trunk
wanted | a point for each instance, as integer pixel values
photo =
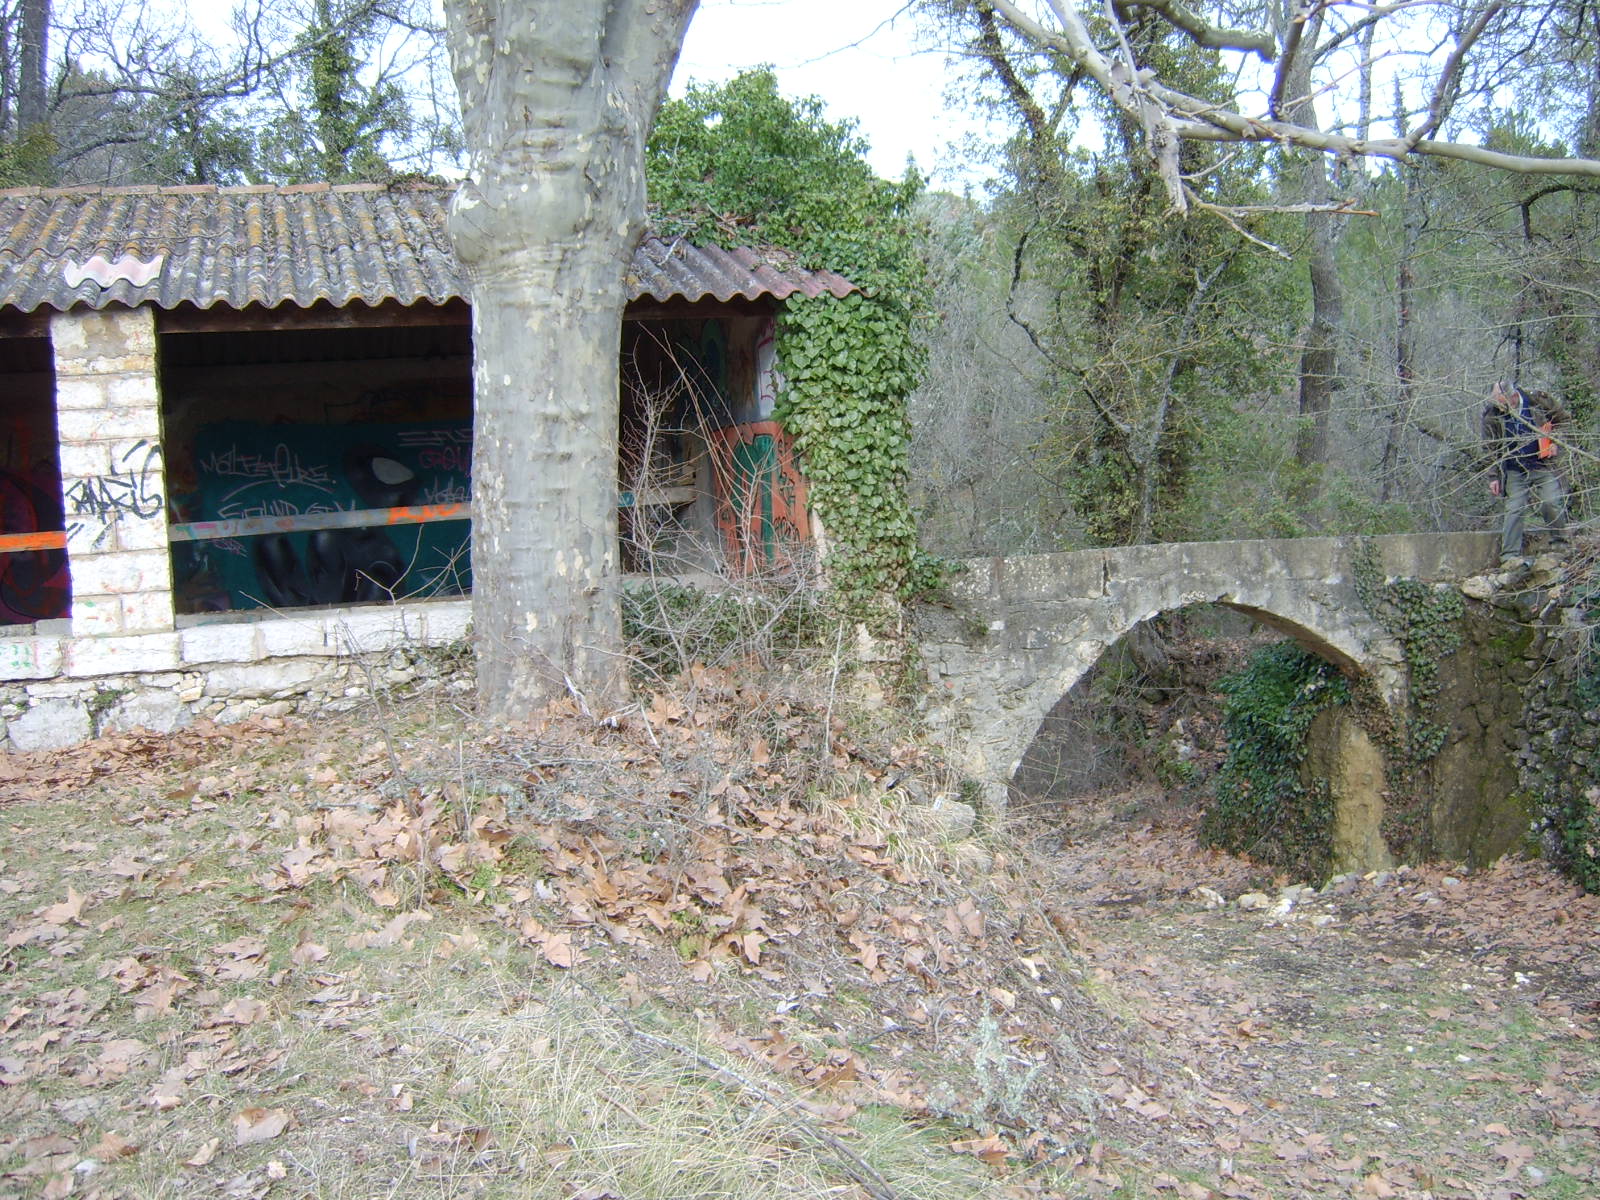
(557, 100)
(1319, 355)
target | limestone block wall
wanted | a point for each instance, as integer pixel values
(1019, 633)
(108, 415)
(326, 659)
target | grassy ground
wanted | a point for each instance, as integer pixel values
(718, 947)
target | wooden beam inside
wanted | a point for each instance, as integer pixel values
(370, 372)
(255, 318)
(361, 518)
(685, 310)
(24, 325)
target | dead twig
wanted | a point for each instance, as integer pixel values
(861, 1171)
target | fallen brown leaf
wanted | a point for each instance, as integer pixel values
(259, 1125)
(205, 1154)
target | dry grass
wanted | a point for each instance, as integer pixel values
(714, 947)
(414, 1045)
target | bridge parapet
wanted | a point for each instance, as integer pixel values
(1022, 631)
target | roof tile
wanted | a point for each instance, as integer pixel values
(299, 245)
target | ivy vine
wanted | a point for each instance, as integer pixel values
(740, 163)
(1263, 805)
(1426, 621)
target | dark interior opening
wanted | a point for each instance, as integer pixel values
(33, 582)
(269, 424)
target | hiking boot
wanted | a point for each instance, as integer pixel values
(1512, 562)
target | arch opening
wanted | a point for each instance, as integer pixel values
(1144, 724)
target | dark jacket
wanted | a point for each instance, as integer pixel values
(1511, 438)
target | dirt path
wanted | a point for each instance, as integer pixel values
(1413, 1033)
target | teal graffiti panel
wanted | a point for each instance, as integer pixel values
(243, 469)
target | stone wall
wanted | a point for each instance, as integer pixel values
(1520, 753)
(108, 413)
(228, 671)
(1557, 753)
(1476, 806)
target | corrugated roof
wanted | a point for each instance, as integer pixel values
(350, 243)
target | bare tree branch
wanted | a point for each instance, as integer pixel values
(1303, 47)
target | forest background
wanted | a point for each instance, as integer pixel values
(1309, 355)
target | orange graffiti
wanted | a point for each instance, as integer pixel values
(422, 514)
(10, 542)
(760, 495)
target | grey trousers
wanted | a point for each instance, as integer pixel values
(1540, 486)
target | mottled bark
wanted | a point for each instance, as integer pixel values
(1319, 354)
(557, 100)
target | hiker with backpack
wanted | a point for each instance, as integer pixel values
(1518, 432)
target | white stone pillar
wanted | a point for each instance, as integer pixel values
(108, 414)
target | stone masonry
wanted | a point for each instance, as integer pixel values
(108, 408)
(1020, 632)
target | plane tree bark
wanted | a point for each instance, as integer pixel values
(557, 101)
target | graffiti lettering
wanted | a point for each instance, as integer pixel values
(133, 489)
(231, 508)
(266, 473)
(446, 493)
(446, 458)
(283, 467)
(17, 658)
(435, 437)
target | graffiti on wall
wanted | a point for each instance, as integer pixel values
(250, 470)
(33, 583)
(132, 489)
(761, 495)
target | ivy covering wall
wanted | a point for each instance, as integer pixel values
(740, 164)
(1262, 806)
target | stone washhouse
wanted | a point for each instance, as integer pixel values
(236, 466)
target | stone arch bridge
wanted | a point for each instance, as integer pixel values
(1022, 631)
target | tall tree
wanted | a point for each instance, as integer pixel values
(1319, 353)
(302, 89)
(1137, 317)
(558, 97)
(32, 54)
(1472, 44)
(355, 103)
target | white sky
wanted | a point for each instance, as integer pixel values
(859, 56)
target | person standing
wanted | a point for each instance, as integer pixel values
(1518, 432)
